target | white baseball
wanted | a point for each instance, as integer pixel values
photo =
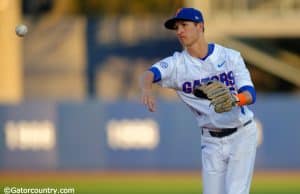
(21, 30)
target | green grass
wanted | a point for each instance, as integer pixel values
(142, 183)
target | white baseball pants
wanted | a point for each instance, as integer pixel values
(228, 162)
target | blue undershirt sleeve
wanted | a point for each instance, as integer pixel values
(157, 74)
(251, 90)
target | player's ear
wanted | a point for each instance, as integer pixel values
(202, 26)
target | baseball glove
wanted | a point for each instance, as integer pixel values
(220, 96)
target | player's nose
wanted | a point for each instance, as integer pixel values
(179, 31)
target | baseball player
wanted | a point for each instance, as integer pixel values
(215, 84)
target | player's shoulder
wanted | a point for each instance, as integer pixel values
(175, 58)
(229, 51)
(169, 62)
(178, 55)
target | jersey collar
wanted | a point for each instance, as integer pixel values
(210, 50)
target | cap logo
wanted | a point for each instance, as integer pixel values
(178, 10)
(196, 17)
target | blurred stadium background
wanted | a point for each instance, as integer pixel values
(69, 100)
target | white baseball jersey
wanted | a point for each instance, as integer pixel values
(183, 72)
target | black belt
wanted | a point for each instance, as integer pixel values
(227, 131)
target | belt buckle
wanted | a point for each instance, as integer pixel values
(224, 133)
(216, 132)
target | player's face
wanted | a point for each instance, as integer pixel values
(187, 32)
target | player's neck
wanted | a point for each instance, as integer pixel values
(199, 49)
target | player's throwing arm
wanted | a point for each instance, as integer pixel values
(147, 97)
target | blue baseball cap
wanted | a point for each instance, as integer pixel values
(188, 14)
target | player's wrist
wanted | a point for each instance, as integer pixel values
(241, 99)
(147, 91)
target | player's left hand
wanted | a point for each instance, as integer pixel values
(221, 97)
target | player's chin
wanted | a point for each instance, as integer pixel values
(183, 44)
(182, 41)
